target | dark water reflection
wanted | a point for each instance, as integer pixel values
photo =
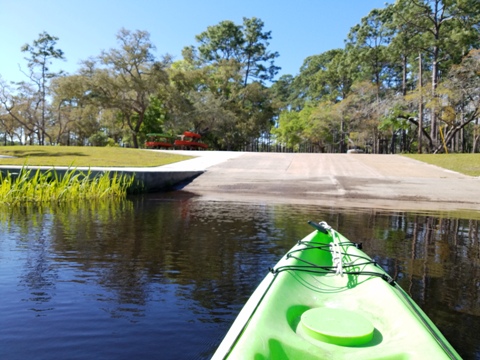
(163, 276)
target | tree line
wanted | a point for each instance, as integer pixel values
(407, 80)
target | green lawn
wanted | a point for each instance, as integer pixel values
(85, 156)
(468, 164)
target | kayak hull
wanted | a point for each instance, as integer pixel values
(310, 307)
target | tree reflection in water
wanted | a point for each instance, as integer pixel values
(168, 273)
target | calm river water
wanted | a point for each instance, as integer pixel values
(163, 276)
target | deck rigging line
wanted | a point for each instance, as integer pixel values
(311, 267)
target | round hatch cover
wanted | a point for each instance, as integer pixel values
(337, 326)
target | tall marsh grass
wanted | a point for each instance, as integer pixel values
(49, 186)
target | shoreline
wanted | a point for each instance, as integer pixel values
(368, 181)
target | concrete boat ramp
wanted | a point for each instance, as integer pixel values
(390, 182)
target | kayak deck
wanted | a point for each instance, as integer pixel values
(327, 299)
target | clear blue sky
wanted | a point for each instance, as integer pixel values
(86, 27)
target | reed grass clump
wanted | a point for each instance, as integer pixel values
(49, 186)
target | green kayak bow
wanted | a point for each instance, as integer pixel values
(326, 299)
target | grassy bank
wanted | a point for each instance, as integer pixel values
(85, 156)
(468, 164)
(49, 187)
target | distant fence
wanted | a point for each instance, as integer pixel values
(269, 145)
(266, 147)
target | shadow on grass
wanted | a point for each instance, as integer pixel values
(23, 154)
